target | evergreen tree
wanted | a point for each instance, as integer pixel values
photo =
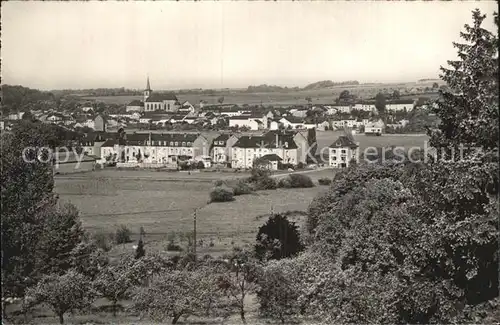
(139, 251)
(278, 238)
(468, 109)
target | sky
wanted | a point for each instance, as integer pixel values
(62, 45)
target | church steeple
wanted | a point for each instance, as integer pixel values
(147, 91)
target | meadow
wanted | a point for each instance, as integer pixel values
(164, 203)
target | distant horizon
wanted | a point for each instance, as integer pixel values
(228, 88)
(217, 45)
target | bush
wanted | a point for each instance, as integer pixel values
(242, 188)
(221, 194)
(285, 183)
(266, 183)
(200, 165)
(172, 247)
(219, 182)
(300, 181)
(122, 235)
(301, 165)
(278, 238)
(324, 181)
(103, 240)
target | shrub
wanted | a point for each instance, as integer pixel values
(301, 165)
(219, 182)
(324, 181)
(266, 183)
(122, 235)
(278, 238)
(200, 165)
(221, 194)
(103, 240)
(242, 188)
(172, 247)
(285, 183)
(300, 181)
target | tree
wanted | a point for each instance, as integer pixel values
(344, 94)
(139, 251)
(469, 109)
(115, 282)
(220, 100)
(240, 279)
(177, 293)
(62, 233)
(380, 103)
(396, 94)
(278, 238)
(27, 197)
(279, 291)
(63, 293)
(435, 86)
(312, 144)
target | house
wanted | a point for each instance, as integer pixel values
(400, 105)
(159, 102)
(292, 122)
(222, 148)
(336, 109)
(91, 144)
(241, 121)
(299, 112)
(100, 123)
(55, 117)
(323, 126)
(270, 161)
(186, 107)
(249, 148)
(374, 128)
(135, 106)
(364, 106)
(342, 151)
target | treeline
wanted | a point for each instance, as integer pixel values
(316, 85)
(19, 98)
(99, 92)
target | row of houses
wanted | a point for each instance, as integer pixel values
(233, 150)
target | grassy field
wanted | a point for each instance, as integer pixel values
(318, 96)
(164, 203)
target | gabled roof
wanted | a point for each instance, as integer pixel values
(223, 138)
(109, 143)
(280, 141)
(271, 157)
(343, 142)
(293, 119)
(136, 103)
(155, 97)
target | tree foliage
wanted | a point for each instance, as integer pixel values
(278, 238)
(63, 293)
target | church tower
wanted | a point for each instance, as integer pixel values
(147, 91)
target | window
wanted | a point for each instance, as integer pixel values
(183, 144)
(334, 158)
(169, 107)
(334, 151)
(342, 158)
(171, 143)
(189, 144)
(176, 143)
(343, 151)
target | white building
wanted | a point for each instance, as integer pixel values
(249, 148)
(240, 121)
(364, 107)
(374, 128)
(222, 148)
(342, 151)
(159, 102)
(401, 105)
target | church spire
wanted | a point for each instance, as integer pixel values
(148, 87)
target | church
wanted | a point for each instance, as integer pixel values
(166, 102)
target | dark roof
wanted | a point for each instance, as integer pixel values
(284, 141)
(293, 119)
(222, 137)
(342, 142)
(400, 101)
(271, 157)
(109, 143)
(136, 103)
(155, 97)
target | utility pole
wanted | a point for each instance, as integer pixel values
(194, 234)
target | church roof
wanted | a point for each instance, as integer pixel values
(155, 97)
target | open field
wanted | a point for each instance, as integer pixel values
(318, 96)
(165, 204)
